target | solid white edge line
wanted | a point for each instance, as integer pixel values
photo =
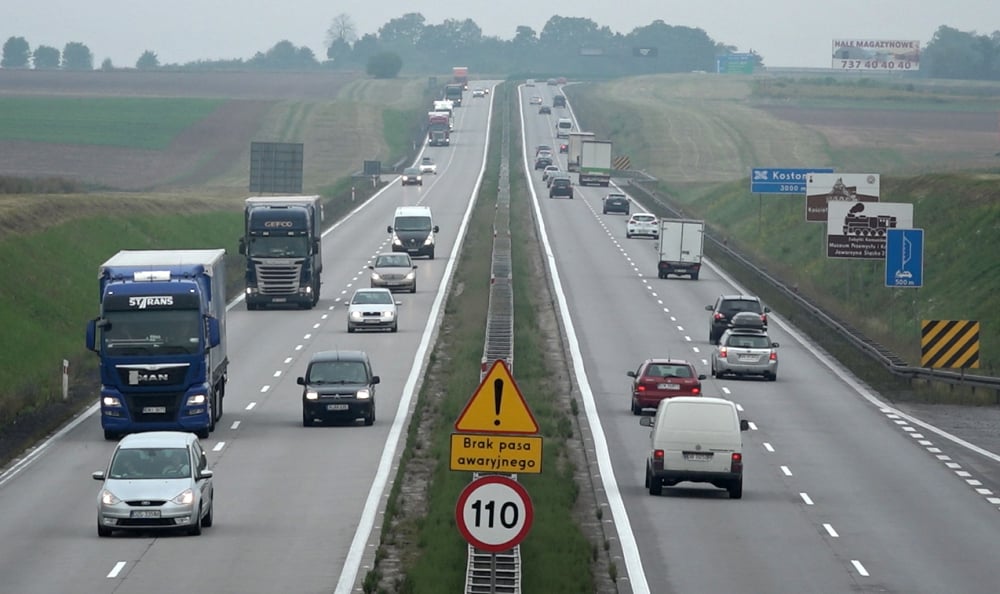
(630, 550)
(863, 391)
(352, 564)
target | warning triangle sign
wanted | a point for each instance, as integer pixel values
(497, 406)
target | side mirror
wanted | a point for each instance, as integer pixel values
(300, 381)
(214, 334)
(205, 474)
(399, 303)
(371, 268)
(774, 345)
(630, 373)
(316, 246)
(767, 310)
(98, 476)
(91, 340)
(646, 421)
(436, 228)
(414, 266)
(243, 247)
(388, 229)
(375, 379)
(701, 376)
(744, 425)
(709, 308)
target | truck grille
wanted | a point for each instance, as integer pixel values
(171, 403)
(278, 279)
(151, 375)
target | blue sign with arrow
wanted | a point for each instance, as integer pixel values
(772, 180)
(904, 258)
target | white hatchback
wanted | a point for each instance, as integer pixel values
(642, 224)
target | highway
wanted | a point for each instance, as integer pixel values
(295, 506)
(841, 492)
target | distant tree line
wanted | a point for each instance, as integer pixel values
(565, 45)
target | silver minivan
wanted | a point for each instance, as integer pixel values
(155, 481)
(696, 439)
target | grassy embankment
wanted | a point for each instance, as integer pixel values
(701, 135)
(424, 537)
(51, 245)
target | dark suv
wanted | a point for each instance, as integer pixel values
(616, 203)
(727, 306)
(338, 385)
(561, 186)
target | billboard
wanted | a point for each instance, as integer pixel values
(876, 54)
(824, 188)
(857, 230)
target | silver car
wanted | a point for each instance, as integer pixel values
(745, 352)
(372, 308)
(155, 481)
(394, 271)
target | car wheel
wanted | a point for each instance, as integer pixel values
(370, 417)
(395, 327)
(714, 373)
(736, 489)
(636, 409)
(307, 420)
(209, 518)
(655, 485)
(350, 330)
(413, 289)
(628, 235)
(110, 435)
(661, 275)
(646, 484)
(431, 255)
(202, 433)
(605, 211)
(103, 531)
(772, 377)
(195, 528)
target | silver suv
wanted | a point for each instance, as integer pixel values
(745, 352)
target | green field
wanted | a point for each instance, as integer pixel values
(144, 123)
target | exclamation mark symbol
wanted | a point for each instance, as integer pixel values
(497, 397)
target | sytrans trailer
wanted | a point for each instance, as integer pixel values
(282, 244)
(161, 339)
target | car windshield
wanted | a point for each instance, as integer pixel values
(428, 161)
(749, 341)
(277, 246)
(151, 331)
(372, 297)
(411, 171)
(413, 224)
(150, 463)
(668, 370)
(393, 261)
(338, 372)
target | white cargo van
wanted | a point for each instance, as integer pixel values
(696, 439)
(563, 127)
(413, 231)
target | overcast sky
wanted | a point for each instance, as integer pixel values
(786, 32)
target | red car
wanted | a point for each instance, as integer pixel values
(657, 379)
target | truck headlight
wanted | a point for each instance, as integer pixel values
(396, 240)
(429, 240)
(111, 401)
(364, 394)
(196, 399)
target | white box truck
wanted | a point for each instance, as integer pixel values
(574, 146)
(680, 247)
(595, 163)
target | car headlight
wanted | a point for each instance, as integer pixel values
(108, 498)
(356, 315)
(429, 240)
(312, 394)
(196, 399)
(364, 394)
(376, 276)
(412, 275)
(396, 240)
(389, 314)
(111, 401)
(185, 498)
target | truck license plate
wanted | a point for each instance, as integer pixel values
(145, 513)
(154, 410)
(279, 299)
(337, 407)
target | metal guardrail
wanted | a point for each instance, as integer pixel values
(888, 359)
(498, 573)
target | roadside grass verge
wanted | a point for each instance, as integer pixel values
(422, 550)
(131, 122)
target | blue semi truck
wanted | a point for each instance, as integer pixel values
(282, 244)
(161, 339)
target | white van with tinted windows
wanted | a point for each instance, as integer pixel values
(413, 230)
(696, 439)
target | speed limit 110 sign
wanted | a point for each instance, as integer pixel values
(494, 513)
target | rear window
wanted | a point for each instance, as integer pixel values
(730, 307)
(699, 416)
(748, 341)
(560, 181)
(644, 218)
(668, 370)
